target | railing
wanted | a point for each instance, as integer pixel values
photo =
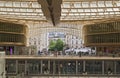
(70, 54)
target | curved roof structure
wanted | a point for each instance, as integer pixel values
(71, 9)
(79, 12)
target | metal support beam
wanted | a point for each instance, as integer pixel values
(41, 66)
(103, 72)
(115, 67)
(84, 68)
(76, 66)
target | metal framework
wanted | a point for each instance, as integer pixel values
(71, 29)
(72, 11)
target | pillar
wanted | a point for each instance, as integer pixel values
(49, 66)
(41, 67)
(26, 67)
(114, 67)
(2, 64)
(76, 66)
(54, 67)
(84, 65)
(103, 67)
(16, 66)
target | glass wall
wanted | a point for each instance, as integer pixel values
(12, 27)
(103, 27)
(93, 67)
(109, 67)
(68, 67)
(45, 69)
(117, 67)
(21, 66)
(102, 33)
(6, 37)
(10, 66)
(63, 67)
(51, 66)
(34, 67)
(80, 67)
(12, 33)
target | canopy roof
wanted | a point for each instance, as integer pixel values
(74, 13)
(71, 10)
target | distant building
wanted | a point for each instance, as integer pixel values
(43, 40)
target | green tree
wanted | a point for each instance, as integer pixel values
(52, 45)
(56, 45)
(59, 45)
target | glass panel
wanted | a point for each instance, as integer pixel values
(109, 9)
(38, 10)
(112, 13)
(80, 67)
(64, 10)
(69, 67)
(34, 67)
(109, 67)
(51, 67)
(80, 10)
(85, 4)
(82, 13)
(116, 9)
(88, 14)
(73, 10)
(2, 3)
(57, 69)
(93, 13)
(66, 5)
(93, 4)
(29, 10)
(45, 69)
(9, 9)
(100, 10)
(16, 4)
(94, 67)
(77, 5)
(118, 3)
(2, 9)
(10, 66)
(17, 10)
(87, 10)
(108, 3)
(24, 4)
(101, 4)
(94, 10)
(35, 4)
(21, 66)
(117, 67)
(9, 4)
(101, 14)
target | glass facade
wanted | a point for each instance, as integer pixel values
(118, 67)
(33, 67)
(94, 67)
(62, 67)
(12, 33)
(11, 66)
(102, 33)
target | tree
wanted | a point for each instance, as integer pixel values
(59, 45)
(52, 45)
(56, 45)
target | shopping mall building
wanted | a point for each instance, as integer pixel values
(24, 25)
